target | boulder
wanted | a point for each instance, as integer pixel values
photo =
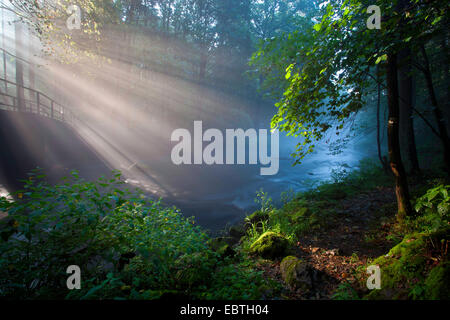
(297, 273)
(270, 245)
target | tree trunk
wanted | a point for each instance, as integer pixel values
(436, 110)
(383, 163)
(395, 159)
(31, 74)
(5, 73)
(19, 66)
(405, 89)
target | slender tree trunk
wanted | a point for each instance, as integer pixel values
(383, 163)
(31, 73)
(5, 74)
(446, 64)
(436, 110)
(19, 65)
(407, 137)
(395, 159)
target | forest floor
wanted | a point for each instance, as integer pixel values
(352, 239)
(339, 229)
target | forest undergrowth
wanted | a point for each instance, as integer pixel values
(316, 245)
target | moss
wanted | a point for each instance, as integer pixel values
(296, 273)
(299, 214)
(404, 270)
(287, 268)
(270, 245)
(437, 284)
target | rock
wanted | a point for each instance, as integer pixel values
(297, 273)
(270, 245)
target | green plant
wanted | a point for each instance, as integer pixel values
(436, 199)
(345, 292)
(236, 281)
(433, 210)
(254, 232)
(93, 225)
(264, 200)
(354, 258)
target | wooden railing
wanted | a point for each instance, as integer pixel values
(32, 100)
(41, 104)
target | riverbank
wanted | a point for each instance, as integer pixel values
(319, 243)
(316, 245)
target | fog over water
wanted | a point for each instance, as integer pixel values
(126, 115)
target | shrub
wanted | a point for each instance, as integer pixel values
(95, 225)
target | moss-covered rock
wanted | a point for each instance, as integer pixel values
(297, 273)
(270, 245)
(405, 272)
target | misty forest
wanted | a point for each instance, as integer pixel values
(115, 157)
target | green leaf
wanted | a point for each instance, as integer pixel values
(381, 58)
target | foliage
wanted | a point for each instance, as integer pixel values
(264, 200)
(236, 281)
(308, 211)
(345, 292)
(126, 245)
(324, 68)
(433, 211)
(406, 268)
(48, 21)
(417, 267)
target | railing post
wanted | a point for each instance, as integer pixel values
(51, 109)
(38, 103)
